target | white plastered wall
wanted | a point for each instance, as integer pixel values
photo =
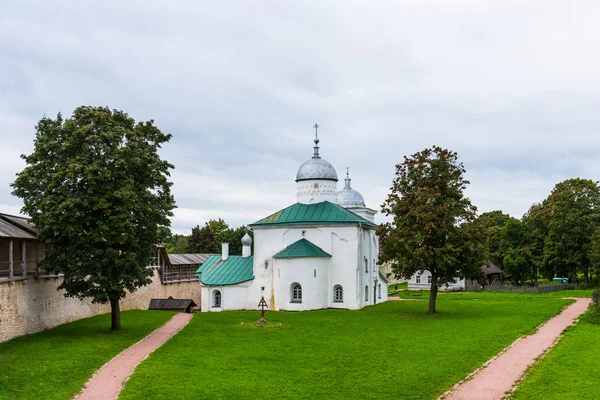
(424, 282)
(315, 191)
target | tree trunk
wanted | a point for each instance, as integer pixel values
(115, 315)
(586, 276)
(433, 291)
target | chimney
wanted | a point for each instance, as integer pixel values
(225, 251)
(246, 243)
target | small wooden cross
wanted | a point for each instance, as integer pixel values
(316, 130)
(262, 304)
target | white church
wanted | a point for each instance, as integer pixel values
(320, 252)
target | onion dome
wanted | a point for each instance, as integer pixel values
(348, 196)
(316, 167)
(246, 240)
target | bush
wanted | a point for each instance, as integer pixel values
(595, 315)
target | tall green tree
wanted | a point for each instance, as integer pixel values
(574, 217)
(202, 240)
(518, 265)
(234, 236)
(594, 255)
(98, 192)
(178, 245)
(536, 221)
(220, 230)
(493, 225)
(432, 228)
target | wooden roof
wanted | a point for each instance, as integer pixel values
(171, 304)
(16, 227)
(490, 268)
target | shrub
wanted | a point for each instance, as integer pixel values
(595, 316)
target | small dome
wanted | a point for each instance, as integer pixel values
(316, 168)
(348, 196)
(246, 240)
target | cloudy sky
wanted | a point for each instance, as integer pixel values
(513, 88)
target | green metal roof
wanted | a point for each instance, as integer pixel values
(216, 272)
(301, 248)
(313, 214)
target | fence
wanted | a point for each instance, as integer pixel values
(174, 274)
(530, 289)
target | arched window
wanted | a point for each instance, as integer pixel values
(374, 265)
(366, 265)
(366, 293)
(379, 291)
(217, 298)
(338, 294)
(295, 293)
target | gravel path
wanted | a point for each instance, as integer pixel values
(108, 381)
(502, 373)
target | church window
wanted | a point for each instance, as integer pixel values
(217, 298)
(338, 294)
(429, 279)
(418, 278)
(295, 293)
(315, 273)
(379, 291)
(366, 265)
(366, 293)
(374, 265)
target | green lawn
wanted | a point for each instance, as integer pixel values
(392, 350)
(55, 364)
(570, 370)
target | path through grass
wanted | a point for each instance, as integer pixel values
(570, 370)
(392, 350)
(56, 363)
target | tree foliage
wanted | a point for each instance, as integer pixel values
(574, 216)
(492, 224)
(97, 191)
(432, 228)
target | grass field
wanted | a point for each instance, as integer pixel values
(570, 370)
(55, 364)
(392, 350)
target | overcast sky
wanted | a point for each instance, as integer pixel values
(513, 88)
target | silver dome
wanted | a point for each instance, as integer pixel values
(348, 196)
(316, 167)
(246, 240)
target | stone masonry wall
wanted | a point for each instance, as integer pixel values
(35, 305)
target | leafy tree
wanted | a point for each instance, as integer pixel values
(178, 245)
(493, 224)
(536, 221)
(594, 255)
(220, 231)
(202, 240)
(432, 226)
(518, 265)
(234, 236)
(574, 217)
(97, 192)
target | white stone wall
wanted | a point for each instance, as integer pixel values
(31, 306)
(315, 191)
(233, 297)
(425, 284)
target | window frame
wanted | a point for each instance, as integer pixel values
(336, 298)
(295, 293)
(366, 293)
(217, 294)
(418, 278)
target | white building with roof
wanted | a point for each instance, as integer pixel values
(320, 252)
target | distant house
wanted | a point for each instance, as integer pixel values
(174, 268)
(490, 273)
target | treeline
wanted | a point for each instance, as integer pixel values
(206, 239)
(559, 237)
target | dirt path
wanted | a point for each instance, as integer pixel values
(108, 381)
(502, 373)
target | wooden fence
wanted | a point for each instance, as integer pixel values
(530, 289)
